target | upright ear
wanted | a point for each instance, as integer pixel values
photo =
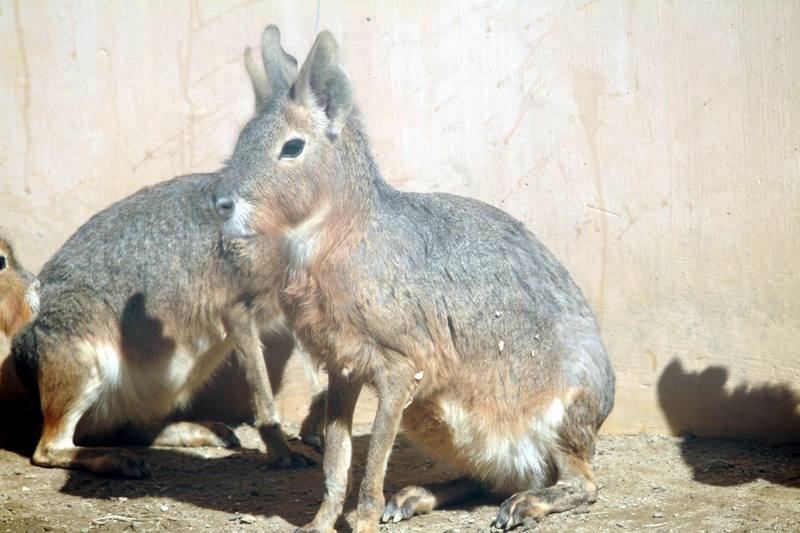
(323, 83)
(280, 68)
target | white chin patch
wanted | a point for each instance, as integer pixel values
(238, 226)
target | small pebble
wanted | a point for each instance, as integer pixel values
(658, 515)
(164, 507)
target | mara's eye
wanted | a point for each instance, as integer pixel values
(2, 262)
(292, 149)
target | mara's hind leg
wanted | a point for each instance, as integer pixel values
(570, 455)
(575, 487)
(66, 394)
(197, 433)
(414, 500)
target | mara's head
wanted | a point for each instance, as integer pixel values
(19, 292)
(284, 168)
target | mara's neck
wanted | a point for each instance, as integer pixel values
(346, 205)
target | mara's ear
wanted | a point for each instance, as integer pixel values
(280, 68)
(322, 82)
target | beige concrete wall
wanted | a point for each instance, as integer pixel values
(653, 146)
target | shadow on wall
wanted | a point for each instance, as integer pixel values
(698, 404)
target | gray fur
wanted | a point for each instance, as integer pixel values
(459, 317)
(419, 295)
(280, 68)
(148, 259)
(141, 305)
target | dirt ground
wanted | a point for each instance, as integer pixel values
(647, 483)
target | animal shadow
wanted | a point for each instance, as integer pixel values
(697, 404)
(142, 334)
(241, 482)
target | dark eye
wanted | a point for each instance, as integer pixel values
(2, 262)
(292, 149)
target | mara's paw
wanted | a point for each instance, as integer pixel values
(408, 502)
(312, 431)
(315, 441)
(195, 434)
(523, 508)
(533, 505)
(121, 463)
(222, 436)
(290, 459)
(279, 453)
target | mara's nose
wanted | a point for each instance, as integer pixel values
(224, 207)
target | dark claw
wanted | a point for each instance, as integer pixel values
(515, 511)
(502, 516)
(394, 512)
(134, 467)
(407, 510)
(293, 460)
(226, 437)
(233, 441)
(315, 441)
(302, 461)
(388, 511)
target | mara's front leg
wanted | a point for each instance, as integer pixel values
(395, 389)
(340, 405)
(249, 350)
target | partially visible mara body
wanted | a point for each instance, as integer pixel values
(138, 309)
(19, 303)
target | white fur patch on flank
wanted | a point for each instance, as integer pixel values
(108, 364)
(139, 387)
(547, 423)
(504, 459)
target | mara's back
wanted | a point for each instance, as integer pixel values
(141, 293)
(159, 248)
(501, 294)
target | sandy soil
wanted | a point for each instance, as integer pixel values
(647, 483)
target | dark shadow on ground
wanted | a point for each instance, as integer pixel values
(20, 427)
(697, 404)
(240, 482)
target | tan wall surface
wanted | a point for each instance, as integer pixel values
(653, 146)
